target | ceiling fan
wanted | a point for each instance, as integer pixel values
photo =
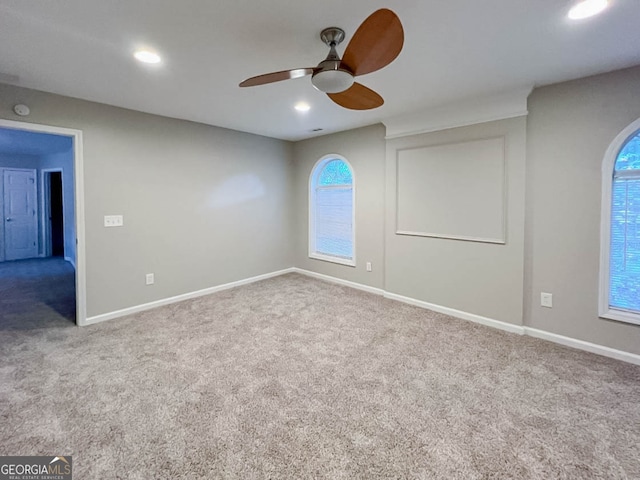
(376, 43)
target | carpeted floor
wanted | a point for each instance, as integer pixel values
(37, 293)
(296, 378)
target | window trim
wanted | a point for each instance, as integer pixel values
(608, 165)
(313, 177)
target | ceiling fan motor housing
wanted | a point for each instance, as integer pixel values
(330, 76)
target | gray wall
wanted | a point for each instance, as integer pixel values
(165, 176)
(480, 278)
(553, 242)
(64, 161)
(204, 206)
(364, 149)
(570, 127)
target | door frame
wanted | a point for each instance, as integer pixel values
(78, 168)
(45, 209)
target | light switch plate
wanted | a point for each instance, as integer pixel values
(113, 221)
(546, 300)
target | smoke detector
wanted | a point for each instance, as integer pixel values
(21, 110)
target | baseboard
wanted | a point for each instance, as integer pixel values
(490, 322)
(339, 281)
(179, 298)
(418, 303)
(71, 261)
(472, 317)
(582, 345)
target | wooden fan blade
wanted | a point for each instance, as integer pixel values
(277, 76)
(376, 43)
(357, 97)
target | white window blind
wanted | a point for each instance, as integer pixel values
(624, 269)
(334, 212)
(331, 232)
(624, 253)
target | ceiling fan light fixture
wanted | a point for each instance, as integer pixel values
(332, 81)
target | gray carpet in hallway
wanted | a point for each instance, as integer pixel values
(37, 293)
(296, 378)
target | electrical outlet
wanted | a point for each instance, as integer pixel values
(546, 300)
(368, 266)
(113, 221)
(150, 279)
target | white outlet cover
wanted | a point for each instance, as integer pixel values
(546, 300)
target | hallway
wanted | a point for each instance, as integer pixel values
(37, 293)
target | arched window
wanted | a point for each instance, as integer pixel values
(620, 260)
(331, 211)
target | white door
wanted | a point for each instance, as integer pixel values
(20, 219)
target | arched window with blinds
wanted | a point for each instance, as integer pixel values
(331, 211)
(620, 278)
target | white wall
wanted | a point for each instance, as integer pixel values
(167, 177)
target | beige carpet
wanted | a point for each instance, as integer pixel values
(296, 378)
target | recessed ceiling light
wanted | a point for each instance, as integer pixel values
(146, 56)
(587, 8)
(302, 107)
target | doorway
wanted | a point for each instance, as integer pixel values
(53, 219)
(52, 194)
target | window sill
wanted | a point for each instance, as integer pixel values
(338, 260)
(621, 316)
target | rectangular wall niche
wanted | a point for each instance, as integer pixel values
(453, 191)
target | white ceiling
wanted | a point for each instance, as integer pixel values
(454, 49)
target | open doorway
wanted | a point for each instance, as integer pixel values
(53, 219)
(56, 215)
(42, 188)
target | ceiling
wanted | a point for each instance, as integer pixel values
(454, 50)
